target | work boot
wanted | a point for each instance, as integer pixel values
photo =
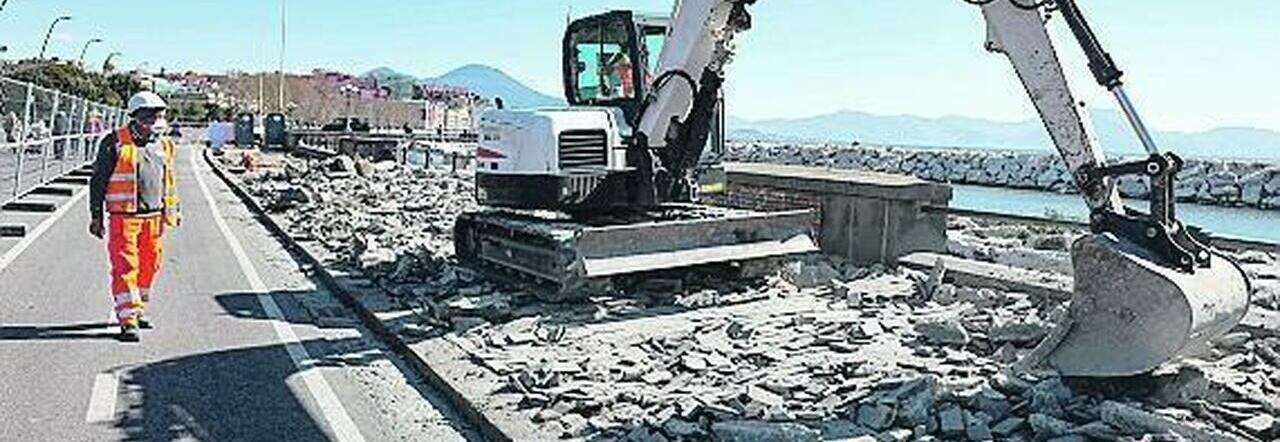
(128, 333)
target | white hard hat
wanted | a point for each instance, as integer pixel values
(145, 100)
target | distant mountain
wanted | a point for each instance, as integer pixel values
(401, 84)
(1112, 130)
(487, 81)
(490, 82)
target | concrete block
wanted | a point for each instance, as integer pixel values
(53, 191)
(79, 181)
(13, 230)
(29, 206)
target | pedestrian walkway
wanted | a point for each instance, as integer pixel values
(235, 356)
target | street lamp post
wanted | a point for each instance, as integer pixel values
(280, 103)
(107, 62)
(86, 48)
(48, 34)
(348, 90)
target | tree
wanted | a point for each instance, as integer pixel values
(71, 79)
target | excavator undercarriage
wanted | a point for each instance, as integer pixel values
(570, 255)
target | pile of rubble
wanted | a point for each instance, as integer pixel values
(819, 350)
(371, 216)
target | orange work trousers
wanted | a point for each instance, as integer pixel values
(135, 247)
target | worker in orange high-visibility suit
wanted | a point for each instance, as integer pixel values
(133, 179)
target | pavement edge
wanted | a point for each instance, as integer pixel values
(474, 415)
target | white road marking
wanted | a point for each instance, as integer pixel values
(32, 236)
(102, 402)
(343, 428)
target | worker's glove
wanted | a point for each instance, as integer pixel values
(96, 228)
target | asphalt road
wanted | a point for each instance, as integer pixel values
(246, 347)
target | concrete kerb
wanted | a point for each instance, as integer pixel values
(346, 294)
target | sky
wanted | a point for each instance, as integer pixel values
(1190, 64)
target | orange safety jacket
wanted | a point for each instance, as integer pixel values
(122, 187)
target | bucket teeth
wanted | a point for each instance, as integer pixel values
(1129, 315)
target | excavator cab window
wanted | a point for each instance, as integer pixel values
(605, 54)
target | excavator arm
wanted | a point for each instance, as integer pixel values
(1147, 288)
(674, 120)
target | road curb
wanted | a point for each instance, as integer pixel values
(345, 294)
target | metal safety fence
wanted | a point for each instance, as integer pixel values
(44, 132)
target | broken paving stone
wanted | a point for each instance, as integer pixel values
(951, 421)
(844, 429)
(574, 425)
(1097, 430)
(1049, 396)
(1232, 341)
(376, 257)
(991, 402)
(943, 331)
(810, 273)
(1046, 426)
(681, 428)
(1009, 384)
(977, 429)
(875, 416)
(1019, 331)
(896, 435)
(762, 398)
(1008, 426)
(547, 415)
(865, 438)
(915, 401)
(656, 377)
(694, 362)
(1260, 424)
(644, 434)
(1131, 420)
(760, 431)
(1069, 438)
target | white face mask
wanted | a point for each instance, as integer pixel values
(160, 127)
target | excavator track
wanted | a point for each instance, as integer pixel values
(571, 256)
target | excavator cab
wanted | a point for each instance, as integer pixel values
(605, 54)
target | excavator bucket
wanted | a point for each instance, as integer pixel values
(1129, 314)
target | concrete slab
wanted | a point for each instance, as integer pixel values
(837, 181)
(30, 206)
(996, 276)
(53, 191)
(80, 181)
(1258, 321)
(13, 230)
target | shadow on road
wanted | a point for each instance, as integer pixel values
(87, 330)
(236, 394)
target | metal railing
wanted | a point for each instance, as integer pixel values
(44, 132)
